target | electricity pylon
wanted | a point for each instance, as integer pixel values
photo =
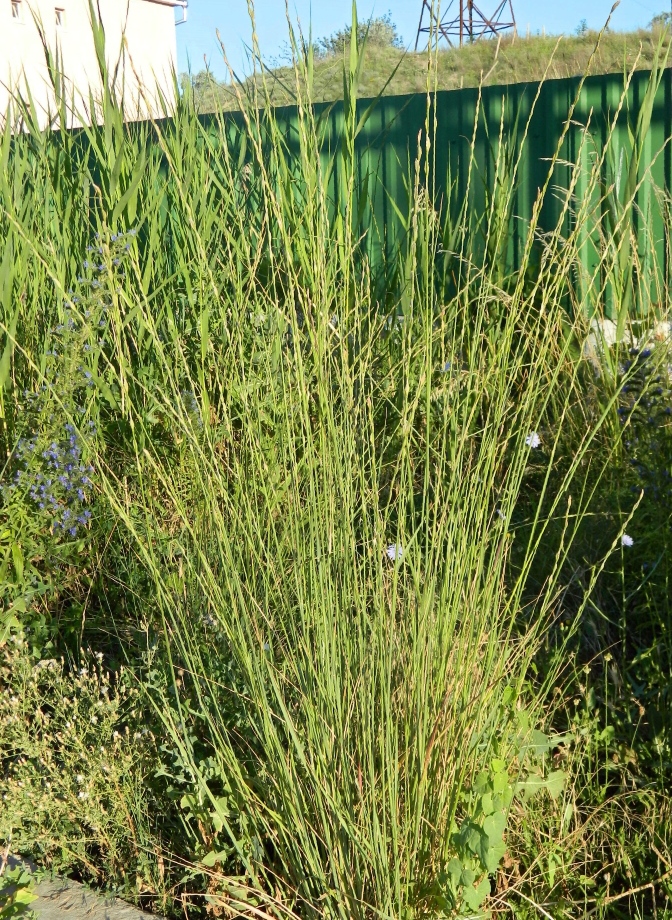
(470, 23)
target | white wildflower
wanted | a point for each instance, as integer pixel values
(79, 778)
(533, 440)
(394, 551)
(82, 795)
(627, 540)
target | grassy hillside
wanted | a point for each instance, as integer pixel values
(517, 59)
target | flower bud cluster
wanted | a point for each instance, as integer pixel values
(50, 465)
(56, 479)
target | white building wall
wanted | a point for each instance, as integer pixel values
(146, 58)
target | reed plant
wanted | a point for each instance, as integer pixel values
(333, 530)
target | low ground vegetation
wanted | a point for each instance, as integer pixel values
(329, 589)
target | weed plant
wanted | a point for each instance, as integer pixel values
(75, 766)
(349, 554)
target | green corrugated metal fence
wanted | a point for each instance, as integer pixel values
(387, 148)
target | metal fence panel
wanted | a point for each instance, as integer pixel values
(465, 126)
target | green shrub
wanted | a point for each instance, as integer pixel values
(75, 769)
(378, 31)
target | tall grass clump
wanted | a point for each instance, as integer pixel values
(335, 513)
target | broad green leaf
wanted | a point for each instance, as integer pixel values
(500, 783)
(555, 783)
(474, 897)
(530, 786)
(494, 856)
(482, 782)
(212, 858)
(536, 744)
(495, 825)
(455, 871)
(467, 877)
(24, 896)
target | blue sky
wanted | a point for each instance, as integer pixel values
(197, 38)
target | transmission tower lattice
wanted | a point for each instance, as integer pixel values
(470, 23)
